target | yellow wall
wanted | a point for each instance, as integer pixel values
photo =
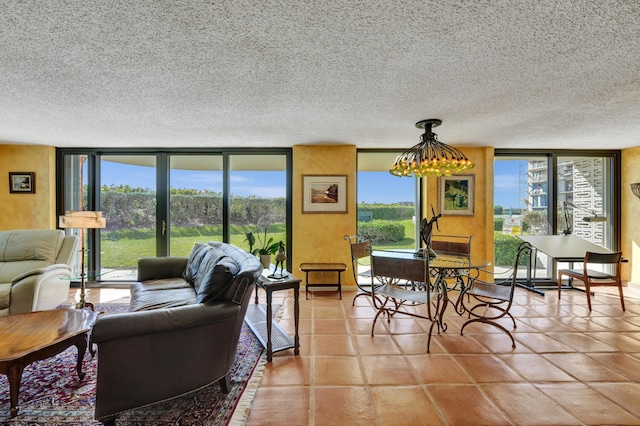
(28, 211)
(630, 215)
(319, 237)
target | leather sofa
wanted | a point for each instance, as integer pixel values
(35, 269)
(181, 332)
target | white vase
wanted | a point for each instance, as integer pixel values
(265, 259)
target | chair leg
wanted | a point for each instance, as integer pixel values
(358, 295)
(587, 290)
(621, 296)
(495, 324)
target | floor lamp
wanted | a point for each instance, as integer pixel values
(82, 220)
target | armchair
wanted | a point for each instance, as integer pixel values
(35, 269)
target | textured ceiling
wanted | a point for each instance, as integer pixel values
(275, 73)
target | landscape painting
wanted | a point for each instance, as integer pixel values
(324, 194)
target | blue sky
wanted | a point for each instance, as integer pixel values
(381, 187)
(506, 183)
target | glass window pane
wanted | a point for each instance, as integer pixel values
(75, 197)
(521, 207)
(386, 203)
(195, 201)
(258, 190)
(128, 201)
(584, 202)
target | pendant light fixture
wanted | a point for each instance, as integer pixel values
(430, 157)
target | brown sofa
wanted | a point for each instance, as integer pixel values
(181, 332)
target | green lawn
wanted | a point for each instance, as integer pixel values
(125, 253)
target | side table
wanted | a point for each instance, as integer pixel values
(269, 333)
(307, 267)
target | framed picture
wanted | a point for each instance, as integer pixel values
(456, 195)
(22, 182)
(324, 193)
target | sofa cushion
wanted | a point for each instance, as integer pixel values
(5, 296)
(10, 270)
(30, 244)
(210, 259)
(149, 300)
(216, 279)
(159, 284)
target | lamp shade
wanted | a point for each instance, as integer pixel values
(82, 219)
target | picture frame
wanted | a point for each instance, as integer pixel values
(456, 195)
(324, 193)
(22, 182)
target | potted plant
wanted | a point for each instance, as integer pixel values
(267, 247)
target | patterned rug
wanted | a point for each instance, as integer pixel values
(51, 394)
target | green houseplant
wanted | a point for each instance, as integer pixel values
(266, 247)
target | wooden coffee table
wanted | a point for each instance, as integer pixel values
(39, 335)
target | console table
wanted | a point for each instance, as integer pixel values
(308, 267)
(269, 333)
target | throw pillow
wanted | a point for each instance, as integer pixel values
(195, 258)
(209, 259)
(216, 280)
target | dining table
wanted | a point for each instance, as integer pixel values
(560, 248)
(462, 268)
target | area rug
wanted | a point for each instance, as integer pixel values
(51, 394)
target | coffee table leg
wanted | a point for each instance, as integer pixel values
(15, 377)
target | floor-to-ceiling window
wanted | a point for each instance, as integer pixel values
(553, 193)
(387, 205)
(160, 203)
(258, 201)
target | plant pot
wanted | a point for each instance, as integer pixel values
(265, 259)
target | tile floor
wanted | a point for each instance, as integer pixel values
(570, 367)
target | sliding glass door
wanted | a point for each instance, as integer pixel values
(195, 202)
(128, 200)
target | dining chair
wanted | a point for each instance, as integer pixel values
(360, 249)
(487, 302)
(458, 245)
(401, 286)
(594, 278)
(451, 244)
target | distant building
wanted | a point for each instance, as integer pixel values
(580, 182)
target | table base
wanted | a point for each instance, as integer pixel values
(13, 368)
